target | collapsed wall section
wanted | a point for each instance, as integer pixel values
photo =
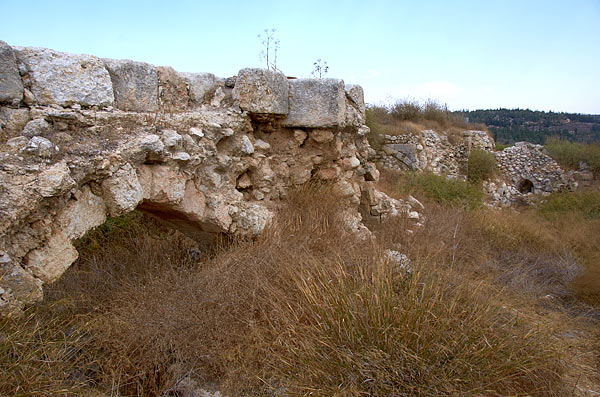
(83, 138)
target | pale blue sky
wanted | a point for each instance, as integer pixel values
(470, 54)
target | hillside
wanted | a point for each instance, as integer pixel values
(513, 125)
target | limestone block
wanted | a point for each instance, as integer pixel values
(322, 136)
(262, 91)
(247, 147)
(350, 162)
(40, 146)
(253, 220)
(13, 120)
(20, 286)
(11, 86)
(66, 79)
(135, 84)
(200, 84)
(35, 127)
(81, 214)
(193, 203)
(316, 103)
(357, 96)
(55, 181)
(173, 92)
(50, 262)
(162, 184)
(122, 191)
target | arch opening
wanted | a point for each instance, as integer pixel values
(525, 186)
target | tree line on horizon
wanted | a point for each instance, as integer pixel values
(513, 125)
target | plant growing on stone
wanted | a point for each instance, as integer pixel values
(320, 69)
(481, 165)
(270, 44)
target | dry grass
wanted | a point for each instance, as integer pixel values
(409, 116)
(307, 309)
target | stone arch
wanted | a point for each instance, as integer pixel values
(526, 186)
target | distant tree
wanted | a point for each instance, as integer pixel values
(320, 69)
(270, 44)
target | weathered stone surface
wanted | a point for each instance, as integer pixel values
(200, 86)
(173, 90)
(262, 91)
(12, 121)
(40, 146)
(36, 127)
(316, 103)
(50, 261)
(171, 138)
(527, 162)
(247, 147)
(19, 287)
(11, 86)
(65, 79)
(135, 84)
(357, 96)
(55, 181)
(200, 165)
(122, 191)
(82, 214)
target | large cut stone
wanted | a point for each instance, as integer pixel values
(135, 84)
(357, 96)
(200, 84)
(262, 91)
(316, 103)
(122, 191)
(81, 214)
(65, 79)
(11, 86)
(173, 90)
(50, 262)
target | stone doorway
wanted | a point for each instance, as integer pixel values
(525, 186)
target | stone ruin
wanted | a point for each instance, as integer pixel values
(432, 151)
(83, 138)
(522, 169)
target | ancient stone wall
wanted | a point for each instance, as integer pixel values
(530, 170)
(432, 151)
(522, 169)
(83, 138)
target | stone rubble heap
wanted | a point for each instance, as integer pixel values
(83, 138)
(527, 162)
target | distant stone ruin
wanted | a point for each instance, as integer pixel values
(522, 169)
(83, 138)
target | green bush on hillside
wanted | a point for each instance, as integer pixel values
(453, 192)
(372, 115)
(481, 165)
(584, 203)
(570, 154)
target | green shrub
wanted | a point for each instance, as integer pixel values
(374, 116)
(481, 165)
(570, 154)
(453, 192)
(584, 203)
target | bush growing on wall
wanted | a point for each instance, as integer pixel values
(481, 165)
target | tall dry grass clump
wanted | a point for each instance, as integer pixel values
(309, 308)
(306, 308)
(410, 117)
